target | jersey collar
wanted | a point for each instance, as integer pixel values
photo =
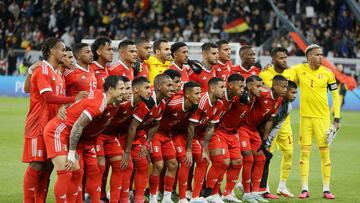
(207, 94)
(81, 68)
(98, 65)
(48, 64)
(122, 63)
(176, 66)
(226, 95)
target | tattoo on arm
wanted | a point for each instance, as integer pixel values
(153, 130)
(190, 135)
(77, 129)
(208, 134)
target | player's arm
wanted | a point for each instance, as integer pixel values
(189, 138)
(130, 138)
(336, 101)
(210, 129)
(153, 130)
(267, 128)
(28, 76)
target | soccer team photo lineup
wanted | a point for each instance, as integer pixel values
(163, 119)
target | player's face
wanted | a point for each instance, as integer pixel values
(219, 89)
(280, 60)
(165, 52)
(182, 55)
(280, 88)
(59, 52)
(144, 90)
(143, 50)
(85, 55)
(166, 88)
(176, 84)
(69, 60)
(291, 94)
(212, 56)
(194, 95)
(118, 92)
(237, 87)
(106, 52)
(248, 56)
(315, 57)
(224, 52)
(128, 91)
(255, 88)
(129, 54)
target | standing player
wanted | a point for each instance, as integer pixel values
(144, 124)
(180, 54)
(143, 49)
(174, 121)
(62, 137)
(224, 66)
(128, 55)
(314, 80)
(202, 72)
(160, 61)
(284, 139)
(46, 94)
(248, 59)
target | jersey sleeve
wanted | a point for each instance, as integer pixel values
(216, 118)
(334, 93)
(95, 107)
(291, 74)
(265, 76)
(196, 116)
(43, 79)
(140, 112)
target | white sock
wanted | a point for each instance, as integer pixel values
(282, 184)
(305, 187)
(326, 188)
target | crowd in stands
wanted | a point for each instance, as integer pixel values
(24, 24)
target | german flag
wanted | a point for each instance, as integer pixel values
(237, 25)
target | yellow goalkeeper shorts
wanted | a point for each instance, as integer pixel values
(284, 138)
(317, 127)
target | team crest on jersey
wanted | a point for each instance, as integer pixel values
(320, 76)
(179, 149)
(83, 77)
(155, 149)
(243, 144)
(265, 101)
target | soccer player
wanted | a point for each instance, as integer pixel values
(174, 121)
(248, 59)
(47, 93)
(284, 139)
(102, 55)
(314, 81)
(224, 146)
(180, 54)
(143, 49)
(128, 55)
(201, 129)
(223, 66)
(144, 124)
(160, 61)
(176, 78)
(62, 137)
(202, 72)
(264, 109)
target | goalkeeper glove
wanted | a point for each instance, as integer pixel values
(330, 134)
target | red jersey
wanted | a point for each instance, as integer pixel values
(234, 117)
(222, 70)
(144, 71)
(183, 71)
(244, 72)
(79, 79)
(202, 78)
(43, 79)
(264, 107)
(119, 68)
(227, 103)
(100, 73)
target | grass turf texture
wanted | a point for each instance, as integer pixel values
(345, 152)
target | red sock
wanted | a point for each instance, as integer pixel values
(79, 182)
(168, 183)
(232, 176)
(102, 169)
(199, 175)
(104, 177)
(124, 194)
(42, 190)
(216, 171)
(153, 184)
(183, 174)
(161, 179)
(216, 189)
(75, 188)
(190, 177)
(142, 175)
(92, 183)
(31, 184)
(63, 182)
(257, 172)
(115, 182)
(246, 173)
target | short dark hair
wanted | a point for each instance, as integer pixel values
(253, 78)
(160, 78)
(221, 42)
(235, 77)
(111, 81)
(99, 42)
(176, 46)
(156, 45)
(125, 43)
(77, 48)
(124, 78)
(49, 44)
(245, 47)
(68, 48)
(275, 50)
(140, 40)
(139, 80)
(207, 46)
(291, 84)
(189, 85)
(279, 78)
(172, 73)
(214, 81)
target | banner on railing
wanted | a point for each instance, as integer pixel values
(12, 86)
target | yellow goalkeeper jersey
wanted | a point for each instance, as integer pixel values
(314, 86)
(268, 75)
(156, 67)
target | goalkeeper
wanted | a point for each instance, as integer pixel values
(314, 81)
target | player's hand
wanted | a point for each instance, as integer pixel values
(125, 160)
(188, 159)
(205, 155)
(81, 95)
(34, 66)
(336, 125)
(70, 160)
(267, 66)
(62, 113)
(331, 134)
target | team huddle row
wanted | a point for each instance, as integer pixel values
(195, 123)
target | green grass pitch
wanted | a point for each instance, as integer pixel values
(345, 156)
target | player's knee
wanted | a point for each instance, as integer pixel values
(236, 162)
(324, 149)
(101, 160)
(216, 152)
(115, 158)
(260, 158)
(37, 165)
(248, 159)
(172, 164)
(288, 154)
(227, 162)
(247, 153)
(158, 166)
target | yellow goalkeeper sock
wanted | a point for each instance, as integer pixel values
(325, 166)
(286, 164)
(305, 151)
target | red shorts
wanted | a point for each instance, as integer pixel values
(180, 145)
(87, 154)
(228, 142)
(108, 145)
(34, 149)
(249, 139)
(162, 147)
(56, 137)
